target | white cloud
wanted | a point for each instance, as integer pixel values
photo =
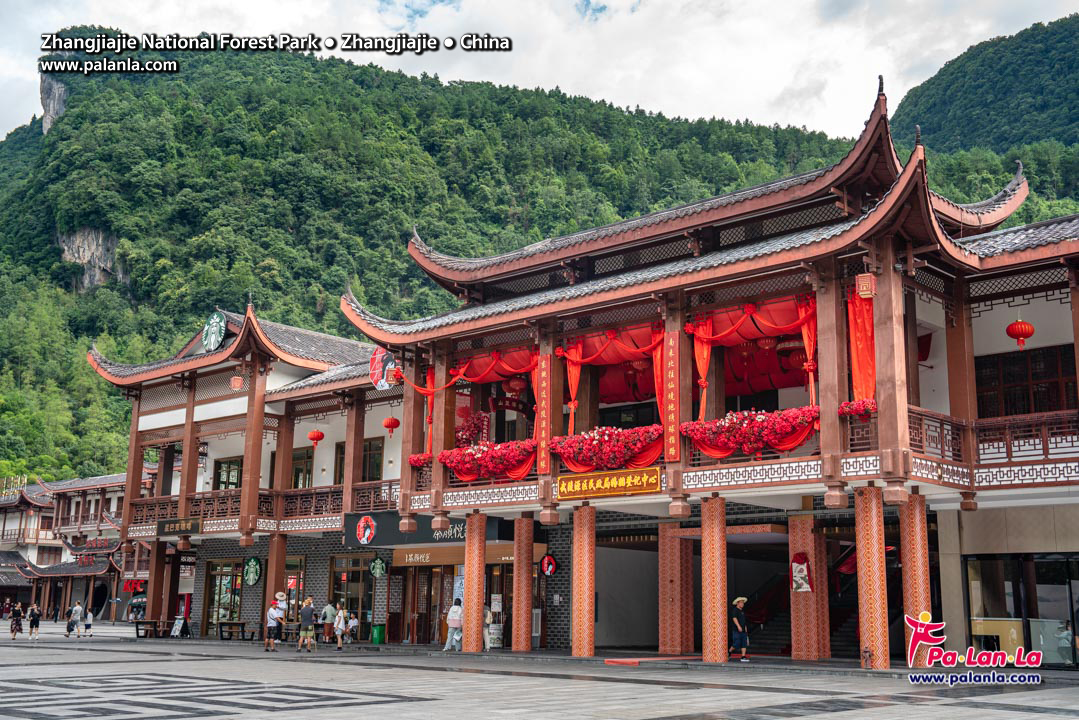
(787, 61)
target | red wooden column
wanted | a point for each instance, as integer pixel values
(275, 560)
(355, 417)
(275, 566)
(165, 463)
(189, 470)
(677, 397)
(583, 585)
(442, 430)
(170, 591)
(475, 566)
(550, 372)
(133, 481)
(1073, 282)
(872, 578)
(714, 579)
(522, 582)
(809, 610)
(156, 580)
(252, 472)
(675, 592)
(889, 338)
(962, 391)
(413, 423)
(914, 554)
(832, 379)
(115, 593)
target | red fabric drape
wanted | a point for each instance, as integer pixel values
(657, 368)
(646, 457)
(515, 474)
(863, 361)
(807, 316)
(702, 356)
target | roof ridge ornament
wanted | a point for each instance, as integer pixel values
(917, 134)
(880, 84)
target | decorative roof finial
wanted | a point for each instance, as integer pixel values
(880, 84)
(250, 299)
(917, 134)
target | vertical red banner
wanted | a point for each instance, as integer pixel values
(672, 442)
(543, 415)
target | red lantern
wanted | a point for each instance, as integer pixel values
(1019, 331)
(747, 348)
(391, 423)
(516, 384)
(797, 359)
(640, 365)
(315, 436)
(766, 343)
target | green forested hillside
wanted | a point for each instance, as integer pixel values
(289, 177)
(1000, 93)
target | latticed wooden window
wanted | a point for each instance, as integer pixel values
(1027, 381)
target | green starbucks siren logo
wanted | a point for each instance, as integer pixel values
(213, 332)
(252, 570)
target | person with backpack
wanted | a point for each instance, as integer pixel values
(453, 621)
(74, 621)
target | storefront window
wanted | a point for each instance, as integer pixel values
(1050, 613)
(294, 582)
(352, 586)
(995, 618)
(372, 461)
(224, 579)
(302, 466)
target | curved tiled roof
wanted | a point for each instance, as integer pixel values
(622, 226)
(124, 370)
(716, 259)
(310, 344)
(352, 371)
(1001, 198)
(1023, 237)
(100, 565)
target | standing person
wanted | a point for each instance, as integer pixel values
(307, 625)
(274, 617)
(16, 620)
(740, 633)
(56, 613)
(339, 625)
(75, 621)
(488, 618)
(34, 614)
(329, 614)
(89, 622)
(453, 621)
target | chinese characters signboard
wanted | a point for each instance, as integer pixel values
(671, 438)
(179, 526)
(543, 414)
(584, 486)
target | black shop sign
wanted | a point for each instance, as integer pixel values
(381, 529)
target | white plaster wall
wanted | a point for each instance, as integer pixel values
(627, 583)
(1051, 321)
(152, 421)
(933, 373)
(283, 374)
(220, 409)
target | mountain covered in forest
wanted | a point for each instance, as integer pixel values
(153, 198)
(1001, 93)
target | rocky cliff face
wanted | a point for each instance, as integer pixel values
(53, 100)
(95, 250)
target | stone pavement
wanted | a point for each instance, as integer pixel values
(114, 679)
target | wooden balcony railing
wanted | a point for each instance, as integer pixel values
(150, 510)
(1021, 438)
(310, 502)
(375, 496)
(861, 434)
(936, 435)
(423, 478)
(216, 504)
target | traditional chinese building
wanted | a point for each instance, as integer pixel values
(815, 378)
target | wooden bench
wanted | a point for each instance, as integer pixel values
(235, 630)
(290, 632)
(147, 629)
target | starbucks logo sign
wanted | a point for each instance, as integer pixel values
(252, 570)
(213, 332)
(378, 568)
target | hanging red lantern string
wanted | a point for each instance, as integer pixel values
(1020, 331)
(766, 343)
(315, 436)
(391, 423)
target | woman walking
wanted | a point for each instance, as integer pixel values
(453, 621)
(34, 613)
(16, 620)
(340, 622)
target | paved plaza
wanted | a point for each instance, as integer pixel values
(108, 677)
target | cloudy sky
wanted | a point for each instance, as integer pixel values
(812, 63)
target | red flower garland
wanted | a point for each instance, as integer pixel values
(749, 432)
(469, 430)
(419, 460)
(606, 448)
(488, 459)
(861, 409)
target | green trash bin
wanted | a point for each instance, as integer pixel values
(378, 635)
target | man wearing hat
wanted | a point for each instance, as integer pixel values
(740, 632)
(274, 617)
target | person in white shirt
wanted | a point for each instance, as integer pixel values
(339, 625)
(353, 628)
(454, 620)
(89, 623)
(275, 616)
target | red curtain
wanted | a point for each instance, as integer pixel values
(863, 361)
(807, 314)
(792, 441)
(702, 357)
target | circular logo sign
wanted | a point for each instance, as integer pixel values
(377, 568)
(252, 570)
(213, 332)
(548, 565)
(366, 529)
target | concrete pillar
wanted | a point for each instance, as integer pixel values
(914, 554)
(714, 579)
(872, 577)
(522, 583)
(675, 592)
(475, 565)
(809, 610)
(583, 587)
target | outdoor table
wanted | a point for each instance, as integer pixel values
(290, 631)
(234, 628)
(146, 628)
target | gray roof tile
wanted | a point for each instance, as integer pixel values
(1024, 237)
